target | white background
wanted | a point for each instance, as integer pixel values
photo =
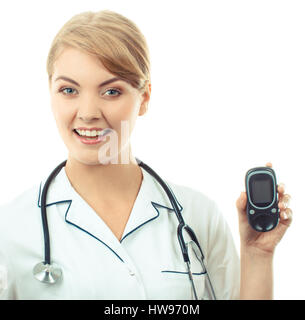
(227, 95)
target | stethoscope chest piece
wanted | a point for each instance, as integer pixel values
(47, 273)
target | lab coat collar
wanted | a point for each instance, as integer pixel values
(150, 202)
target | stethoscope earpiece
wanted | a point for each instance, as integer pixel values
(47, 273)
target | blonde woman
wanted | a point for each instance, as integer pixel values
(113, 229)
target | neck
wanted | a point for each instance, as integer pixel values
(111, 180)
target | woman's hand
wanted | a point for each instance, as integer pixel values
(263, 242)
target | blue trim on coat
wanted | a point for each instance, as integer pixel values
(184, 272)
(158, 213)
(69, 222)
(154, 204)
(50, 204)
(90, 234)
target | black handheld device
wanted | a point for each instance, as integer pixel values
(262, 205)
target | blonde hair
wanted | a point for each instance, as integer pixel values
(114, 39)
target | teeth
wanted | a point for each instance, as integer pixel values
(89, 133)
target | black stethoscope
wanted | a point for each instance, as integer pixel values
(47, 273)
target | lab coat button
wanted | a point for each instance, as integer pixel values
(131, 273)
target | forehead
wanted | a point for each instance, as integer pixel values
(79, 64)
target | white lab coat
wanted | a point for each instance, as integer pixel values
(145, 264)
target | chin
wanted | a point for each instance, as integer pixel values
(87, 159)
(105, 160)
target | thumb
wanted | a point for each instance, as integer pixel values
(241, 204)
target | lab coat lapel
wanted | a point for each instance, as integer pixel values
(75, 211)
(151, 201)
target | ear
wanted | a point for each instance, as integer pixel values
(145, 101)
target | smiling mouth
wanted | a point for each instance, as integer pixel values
(94, 139)
(88, 133)
(92, 134)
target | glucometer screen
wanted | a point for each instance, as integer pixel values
(261, 190)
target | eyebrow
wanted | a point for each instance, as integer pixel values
(100, 85)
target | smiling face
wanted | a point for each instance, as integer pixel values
(82, 98)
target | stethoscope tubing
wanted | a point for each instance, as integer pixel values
(173, 201)
(181, 226)
(47, 249)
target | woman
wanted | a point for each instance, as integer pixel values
(112, 227)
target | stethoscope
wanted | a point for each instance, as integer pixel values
(48, 273)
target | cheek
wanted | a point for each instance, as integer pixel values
(62, 113)
(125, 111)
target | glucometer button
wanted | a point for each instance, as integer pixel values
(273, 210)
(263, 223)
(251, 211)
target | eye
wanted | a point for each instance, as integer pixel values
(112, 90)
(68, 92)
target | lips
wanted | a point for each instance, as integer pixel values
(88, 133)
(90, 129)
(89, 140)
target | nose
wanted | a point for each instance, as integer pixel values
(88, 118)
(89, 110)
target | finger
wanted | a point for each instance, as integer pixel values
(269, 164)
(285, 221)
(241, 202)
(286, 199)
(286, 216)
(284, 202)
(281, 189)
(282, 206)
